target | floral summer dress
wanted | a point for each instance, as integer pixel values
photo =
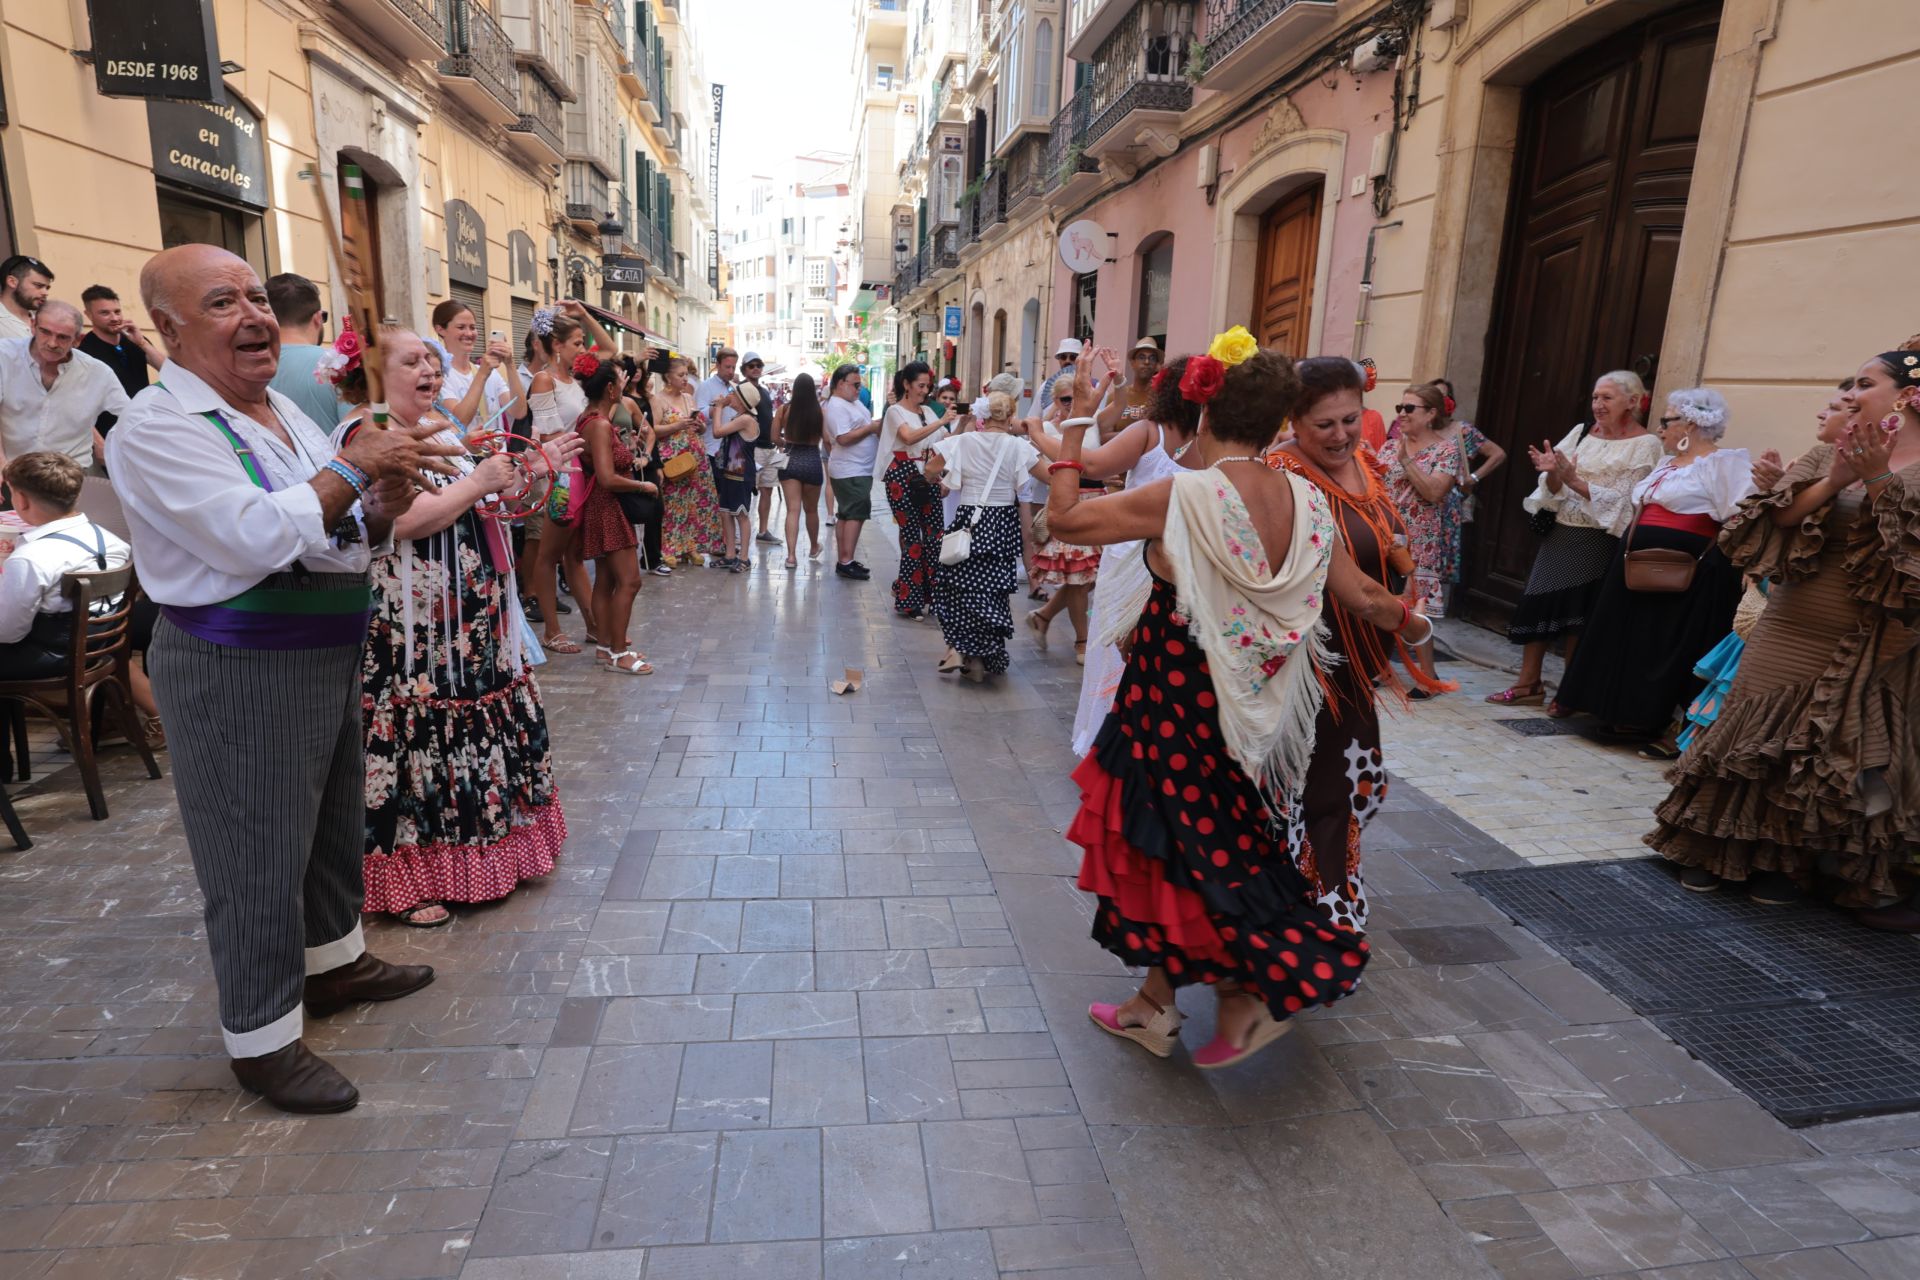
(461, 802)
(691, 526)
(1433, 529)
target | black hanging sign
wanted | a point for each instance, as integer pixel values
(466, 245)
(156, 49)
(213, 147)
(623, 274)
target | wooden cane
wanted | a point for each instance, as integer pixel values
(345, 241)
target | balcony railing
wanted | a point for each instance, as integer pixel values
(479, 62)
(410, 28)
(1249, 39)
(1141, 68)
(587, 198)
(541, 129)
(1065, 155)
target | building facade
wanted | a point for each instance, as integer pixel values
(476, 123)
(1516, 194)
(790, 251)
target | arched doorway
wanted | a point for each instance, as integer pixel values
(976, 344)
(999, 345)
(1030, 359)
(1604, 161)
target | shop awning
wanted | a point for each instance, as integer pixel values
(613, 320)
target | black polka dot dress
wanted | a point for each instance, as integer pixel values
(1193, 870)
(970, 598)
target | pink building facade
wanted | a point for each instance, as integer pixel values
(1303, 158)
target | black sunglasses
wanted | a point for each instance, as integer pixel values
(1669, 421)
(1408, 408)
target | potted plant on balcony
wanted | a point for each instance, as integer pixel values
(1196, 61)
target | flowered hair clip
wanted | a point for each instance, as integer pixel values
(542, 321)
(1905, 367)
(1372, 375)
(341, 359)
(585, 365)
(1448, 401)
(1206, 374)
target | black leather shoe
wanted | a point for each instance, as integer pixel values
(297, 1079)
(368, 978)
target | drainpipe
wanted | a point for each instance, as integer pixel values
(1360, 321)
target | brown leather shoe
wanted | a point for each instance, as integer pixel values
(297, 1079)
(367, 978)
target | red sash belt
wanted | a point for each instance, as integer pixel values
(1660, 518)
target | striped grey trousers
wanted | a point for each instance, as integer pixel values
(270, 769)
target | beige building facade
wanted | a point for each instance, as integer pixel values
(457, 111)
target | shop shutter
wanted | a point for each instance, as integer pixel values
(522, 323)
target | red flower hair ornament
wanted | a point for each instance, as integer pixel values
(1372, 374)
(585, 365)
(1203, 379)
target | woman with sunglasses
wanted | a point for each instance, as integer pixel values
(1429, 474)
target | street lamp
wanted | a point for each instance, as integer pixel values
(612, 232)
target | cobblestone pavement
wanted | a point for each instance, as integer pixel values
(805, 1002)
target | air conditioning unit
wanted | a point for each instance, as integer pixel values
(1375, 54)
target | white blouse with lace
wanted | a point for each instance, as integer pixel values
(1711, 485)
(1610, 468)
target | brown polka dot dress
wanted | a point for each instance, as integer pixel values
(1193, 869)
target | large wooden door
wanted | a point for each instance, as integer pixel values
(1604, 161)
(1289, 252)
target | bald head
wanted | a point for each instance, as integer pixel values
(213, 314)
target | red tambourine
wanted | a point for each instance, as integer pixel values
(528, 492)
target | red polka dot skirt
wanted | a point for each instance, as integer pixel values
(1194, 872)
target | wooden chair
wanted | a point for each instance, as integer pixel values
(98, 669)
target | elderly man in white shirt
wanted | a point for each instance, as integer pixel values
(254, 537)
(51, 394)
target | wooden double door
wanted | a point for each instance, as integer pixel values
(1289, 254)
(1604, 161)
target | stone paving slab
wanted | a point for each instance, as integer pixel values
(806, 999)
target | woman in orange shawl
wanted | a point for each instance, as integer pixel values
(1347, 781)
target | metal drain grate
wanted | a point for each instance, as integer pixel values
(1814, 1063)
(1607, 898)
(1813, 1016)
(1541, 727)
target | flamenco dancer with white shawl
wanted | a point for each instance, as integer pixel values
(1190, 797)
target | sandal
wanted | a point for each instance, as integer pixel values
(1520, 695)
(559, 644)
(1221, 1052)
(411, 916)
(1038, 625)
(1080, 652)
(638, 667)
(1038, 594)
(791, 563)
(1557, 712)
(1157, 1035)
(950, 662)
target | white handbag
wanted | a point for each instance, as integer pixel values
(957, 544)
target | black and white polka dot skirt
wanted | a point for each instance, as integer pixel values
(970, 598)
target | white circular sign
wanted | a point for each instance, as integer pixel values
(1083, 246)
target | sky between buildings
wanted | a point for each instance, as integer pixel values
(787, 66)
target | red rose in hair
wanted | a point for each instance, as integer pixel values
(585, 365)
(348, 346)
(1373, 374)
(1203, 379)
(1450, 406)
(1160, 378)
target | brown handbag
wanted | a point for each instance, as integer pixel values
(1659, 570)
(681, 465)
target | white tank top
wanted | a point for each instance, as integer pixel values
(1154, 464)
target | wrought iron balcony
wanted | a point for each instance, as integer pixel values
(1139, 77)
(540, 131)
(587, 194)
(412, 29)
(478, 69)
(1255, 40)
(1066, 156)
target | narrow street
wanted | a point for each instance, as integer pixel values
(805, 999)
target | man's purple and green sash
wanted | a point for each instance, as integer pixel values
(293, 610)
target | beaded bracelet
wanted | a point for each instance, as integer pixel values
(354, 477)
